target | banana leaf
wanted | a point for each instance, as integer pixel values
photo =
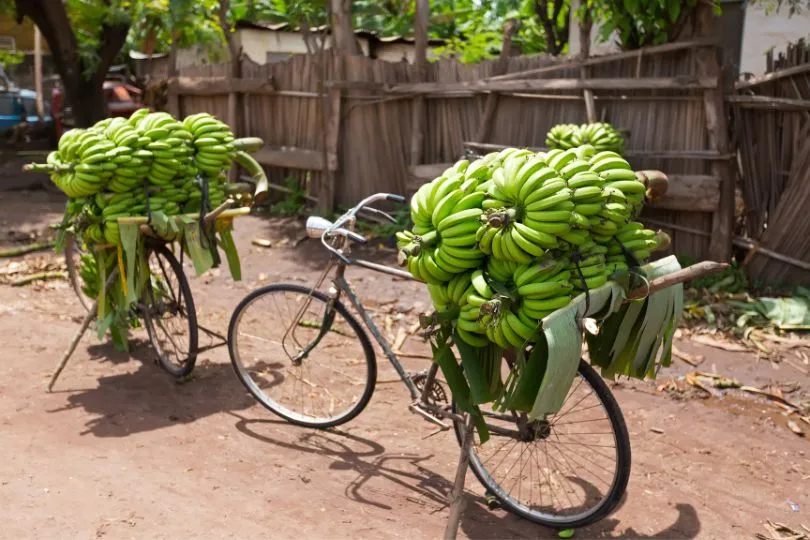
(482, 369)
(130, 244)
(229, 247)
(529, 374)
(563, 337)
(453, 375)
(636, 340)
(201, 257)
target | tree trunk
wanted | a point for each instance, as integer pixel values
(343, 39)
(84, 94)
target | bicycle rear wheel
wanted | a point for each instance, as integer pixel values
(297, 352)
(73, 251)
(169, 313)
(540, 472)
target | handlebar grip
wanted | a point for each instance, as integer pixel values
(356, 238)
(395, 198)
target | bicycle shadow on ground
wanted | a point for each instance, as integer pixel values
(686, 525)
(149, 398)
(370, 461)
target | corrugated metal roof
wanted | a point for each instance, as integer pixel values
(286, 27)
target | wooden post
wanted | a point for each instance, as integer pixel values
(38, 72)
(500, 68)
(584, 26)
(717, 130)
(420, 65)
(173, 96)
(457, 502)
(331, 120)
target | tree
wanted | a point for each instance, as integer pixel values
(84, 37)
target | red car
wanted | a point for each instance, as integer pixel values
(122, 100)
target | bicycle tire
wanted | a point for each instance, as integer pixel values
(72, 265)
(187, 366)
(270, 404)
(620, 479)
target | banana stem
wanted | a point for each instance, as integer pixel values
(256, 171)
(39, 167)
(428, 239)
(501, 219)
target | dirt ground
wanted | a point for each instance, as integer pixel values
(120, 450)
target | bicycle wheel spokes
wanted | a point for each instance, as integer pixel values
(169, 313)
(566, 470)
(300, 356)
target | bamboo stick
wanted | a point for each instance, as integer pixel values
(22, 250)
(689, 273)
(89, 316)
(234, 212)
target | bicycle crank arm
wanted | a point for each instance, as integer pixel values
(414, 407)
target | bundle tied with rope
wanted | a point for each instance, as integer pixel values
(516, 249)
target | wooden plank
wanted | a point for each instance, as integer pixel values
(326, 195)
(708, 155)
(500, 67)
(212, 86)
(420, 64)
(683, 82)
(717, 129)
(768, 102)
(773, 76)
(428, 172)
(690, 193)
(618, 57)
(289, 157)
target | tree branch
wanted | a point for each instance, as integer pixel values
(110, 42)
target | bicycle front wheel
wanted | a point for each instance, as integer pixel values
(569, 470)
(302, 355)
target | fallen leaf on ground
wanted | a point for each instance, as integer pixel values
(262, 242)
(692, 359)
(794, 427)
(769, 395)
(711, 342)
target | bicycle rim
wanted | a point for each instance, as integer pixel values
(330, 385)
(169, 316)
(550, 478)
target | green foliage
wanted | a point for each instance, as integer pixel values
(387, 230)
(10, 58)
(639, 23)
(294, 203)
(191, 22)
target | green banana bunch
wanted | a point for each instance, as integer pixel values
(88, 271)
(600, 135)
(212, 142)
(562, 136)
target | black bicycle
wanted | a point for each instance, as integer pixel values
(305, 357)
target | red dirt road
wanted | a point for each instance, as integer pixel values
(120, 450)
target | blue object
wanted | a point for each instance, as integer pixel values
(18, 104)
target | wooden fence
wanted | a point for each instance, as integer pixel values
(344, 126)
(772, 127)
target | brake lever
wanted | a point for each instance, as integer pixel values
(379, 213)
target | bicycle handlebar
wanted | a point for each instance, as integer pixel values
(330, 229)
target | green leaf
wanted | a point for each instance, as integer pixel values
(444, 357)
(477, 371)
(231, 254)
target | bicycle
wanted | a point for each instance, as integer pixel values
(288, 386)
